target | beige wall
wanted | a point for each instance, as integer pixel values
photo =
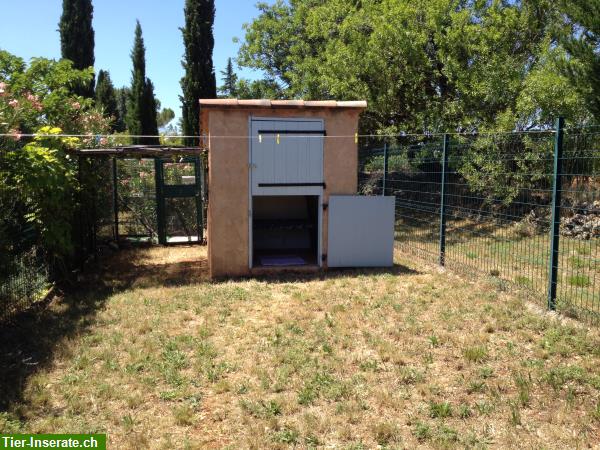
(228, 208)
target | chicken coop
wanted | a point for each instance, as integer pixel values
(282, 188)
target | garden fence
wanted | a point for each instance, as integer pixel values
(522, 208)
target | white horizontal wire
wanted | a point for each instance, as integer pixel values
(283, 135)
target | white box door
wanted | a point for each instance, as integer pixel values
(361, 231)
(286, 156)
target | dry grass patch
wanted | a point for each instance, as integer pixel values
(163, 358)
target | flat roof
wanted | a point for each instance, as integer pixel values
(225, 103)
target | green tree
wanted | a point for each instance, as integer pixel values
(40, 186)
(199, 79)
(583, 46)
(106, 98)
(141, 105)
(441, 65)
(122, 95)
(165, 116)
(230, 80)
(77, 39)
(266, 88)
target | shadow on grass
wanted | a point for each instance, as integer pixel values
(28, 343)
(29, 340)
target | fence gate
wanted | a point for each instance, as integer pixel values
(179, 201)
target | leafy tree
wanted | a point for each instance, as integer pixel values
(230, 80)
(141, 105)
(246, 89)
(39, 186)
(441, 65)
(165, 116)
(77, 39)
(199, 79)
(583, 46)
(106, 98)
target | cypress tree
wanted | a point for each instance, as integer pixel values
(230, 79)
(77, 38)
(199, 79)
(141, 105)
(106, 97)
(122, 95)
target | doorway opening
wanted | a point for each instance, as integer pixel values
(285, 230)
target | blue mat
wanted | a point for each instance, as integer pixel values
(282, 260)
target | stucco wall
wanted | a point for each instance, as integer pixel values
(228, 208)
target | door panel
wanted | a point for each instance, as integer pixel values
(280, 156)
(179, 202)
(361, 231)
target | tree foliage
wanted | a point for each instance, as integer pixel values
(37, 176)
(435, 66)
(106, 98)
(230, 79)
(199, 79)
(583, 46)
(141, 105)
(165, 116)
(77, 39)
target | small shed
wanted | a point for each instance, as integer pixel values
(282, 185)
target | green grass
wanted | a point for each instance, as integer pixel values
(519, 258)
(151, 352)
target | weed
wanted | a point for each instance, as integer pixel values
(523, 383)
(484, 408)
(579, 280)
(183, 415)
(515, 413)
(261, 409)
(410, 375)
(287, 436)
(486, 372)
(434, 341)
(386, 433)
(557, 377)
(522, 281)
(475, 354)
(464, 411)
(596, 412)
(476, 386)
(422, 431)
(369, 365)
(440, 410)
(446, 435)
(128, 422)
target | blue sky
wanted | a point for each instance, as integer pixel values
(29, 28)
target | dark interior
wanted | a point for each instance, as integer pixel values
(285, 230)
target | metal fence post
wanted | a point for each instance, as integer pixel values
(445, 150)
(115, 200)
(160, 201)
(385, 167)
(555, 224)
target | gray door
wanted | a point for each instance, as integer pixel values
(286, 156)
(361, 231)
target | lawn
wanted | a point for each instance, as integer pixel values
(514, 254)
(152, 353)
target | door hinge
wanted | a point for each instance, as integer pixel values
(325, 206)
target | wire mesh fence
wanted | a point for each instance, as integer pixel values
(485, 203)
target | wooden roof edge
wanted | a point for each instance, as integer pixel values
(137, 151)
(233, 103)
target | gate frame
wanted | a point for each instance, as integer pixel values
(164, 191)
